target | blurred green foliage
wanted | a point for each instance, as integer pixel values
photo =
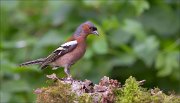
(137, 37)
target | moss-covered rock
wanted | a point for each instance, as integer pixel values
(107, 91)
(58, 92)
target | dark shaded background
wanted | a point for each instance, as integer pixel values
(137, 37)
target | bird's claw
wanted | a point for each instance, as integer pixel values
(69, 78)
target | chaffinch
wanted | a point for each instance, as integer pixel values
(68, 53)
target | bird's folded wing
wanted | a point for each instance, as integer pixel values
(63, 49)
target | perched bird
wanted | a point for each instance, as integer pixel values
(68, 53)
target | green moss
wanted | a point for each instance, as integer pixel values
(58, 92)
(159, 97)
(130, 92)
(85, 98)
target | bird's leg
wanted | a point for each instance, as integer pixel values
(67, 71)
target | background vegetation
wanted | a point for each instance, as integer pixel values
(137, 37)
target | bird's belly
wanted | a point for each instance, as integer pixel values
(69, 58)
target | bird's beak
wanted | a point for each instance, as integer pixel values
(95, 32)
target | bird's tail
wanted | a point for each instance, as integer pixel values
(37, 61)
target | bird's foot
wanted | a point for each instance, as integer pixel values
(69, 78)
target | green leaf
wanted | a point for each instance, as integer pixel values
(167, 63)
(58, 11)
(15, 86)
(51, 38)
(7, 66)
(9, 5)
(134, 28)
(140, 5)
(110, 23)
(88, 54)
(123, 60)
(160, 61)
(147, 50)
(161, 20)
(4, 97)
(100, 45)
(119, 37)
(19, 97)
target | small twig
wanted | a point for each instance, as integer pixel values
(141, 82)
(52, 76)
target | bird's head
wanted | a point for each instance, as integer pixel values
(85, 29)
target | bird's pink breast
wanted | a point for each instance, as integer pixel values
(71, 57)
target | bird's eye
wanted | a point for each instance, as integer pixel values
(93, 28)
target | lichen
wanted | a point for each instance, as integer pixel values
(56, 93)
(107, 91)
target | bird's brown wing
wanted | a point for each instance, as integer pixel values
(63, 49)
